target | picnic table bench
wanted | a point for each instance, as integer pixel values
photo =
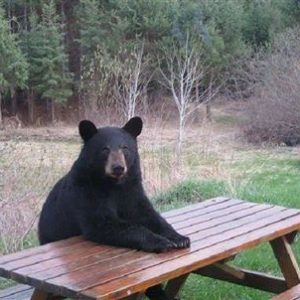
(219, 229)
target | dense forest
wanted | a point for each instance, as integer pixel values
(62, 59)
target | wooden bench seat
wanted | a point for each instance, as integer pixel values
(18, 292)
(291, 294)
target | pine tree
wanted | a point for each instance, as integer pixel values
(49, 75)
(13, 65)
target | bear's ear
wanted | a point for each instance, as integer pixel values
(87, 129)
(134, 126)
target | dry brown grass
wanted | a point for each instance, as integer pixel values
(32, 160)
(28, 169)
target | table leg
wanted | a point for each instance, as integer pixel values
(137, 296)
(291, 236)
(41, 295)
(173, 286)
(286, 260)
(257, 280)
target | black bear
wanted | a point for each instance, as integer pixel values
(102, 196)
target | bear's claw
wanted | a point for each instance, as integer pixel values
(181, 241)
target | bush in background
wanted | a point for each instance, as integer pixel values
(273, 114)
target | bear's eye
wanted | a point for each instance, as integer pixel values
(125, 150)
(105, 150)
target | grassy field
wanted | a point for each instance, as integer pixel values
(216, 162)
(277, 183)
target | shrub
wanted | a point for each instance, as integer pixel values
(274, 113)
(187, 192)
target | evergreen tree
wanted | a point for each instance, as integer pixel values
(290, 10)
(49, 75)
(13, 65)
(263, 19)
(86, 37)
(224, 23)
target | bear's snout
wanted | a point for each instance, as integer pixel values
(116, 164)
(118, 170)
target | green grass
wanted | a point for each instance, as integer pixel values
(276, 181)
(259, 179)
(189, 191)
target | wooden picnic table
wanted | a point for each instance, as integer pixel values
(219, 229)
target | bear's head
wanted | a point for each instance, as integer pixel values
(111, 152)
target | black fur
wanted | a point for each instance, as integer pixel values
(107, 210)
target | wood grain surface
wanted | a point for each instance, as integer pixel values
(219, 228)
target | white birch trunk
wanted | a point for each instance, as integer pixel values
(180, 138)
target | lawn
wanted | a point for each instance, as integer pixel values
(214, 163)
(270, 177)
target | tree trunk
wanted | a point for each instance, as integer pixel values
(13, 95)
(30, 103)
(180, 135)
(208, 103)
(197, 91)
(52, 111)
(1, 120)
(208, 112)
(130, 107)
(74, 51)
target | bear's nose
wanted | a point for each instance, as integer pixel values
(118, 170)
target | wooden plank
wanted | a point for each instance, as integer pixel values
(48, 272)
(25, 295)
(286, 260)
(33, 267)
(227, 259)
(267, 229)
(206, 230)
(40, 257)
(84, 275)
(71, 262)
(100, 264)
(138, 296)
(88, 276)
(42, 295)
(39, 254)
(82, 247)
(217, 215)
(244, 277)
(188, 208)
(39, 295)
(291, 237)
(41, 249)
(197, 235)
(291, 294)
(118, 263)
(202, 211)
(20, 288)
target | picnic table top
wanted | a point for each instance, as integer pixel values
(219, 228)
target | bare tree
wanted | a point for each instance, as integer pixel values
(119, 81)
(132, 78)
(182, 74)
